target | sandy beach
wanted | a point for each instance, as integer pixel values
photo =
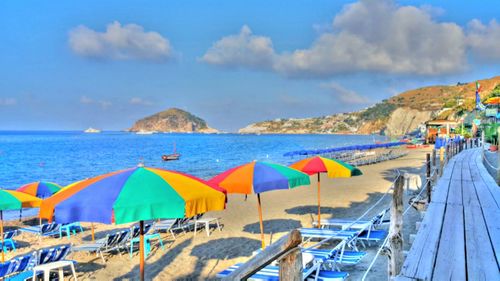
(201, 257)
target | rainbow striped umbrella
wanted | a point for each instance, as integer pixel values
(40, 189)
(257, 177)
(132, 195)
(332, 167)
(15, 200)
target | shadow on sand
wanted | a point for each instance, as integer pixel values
(273, 226)
(228, 248)
(153, 269)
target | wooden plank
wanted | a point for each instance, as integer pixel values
(450, 260)
(419, 262)
(466, 174)
(483, 174)
(440, 191)
(469, 194)
(455, 192)
(448, 170)
(481, 262)
(491, 214)
(492, 220)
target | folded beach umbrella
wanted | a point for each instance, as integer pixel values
(493, 100)
(14, 200)
(132, 195)
(332, 167)
(257, 177)
(40, 189)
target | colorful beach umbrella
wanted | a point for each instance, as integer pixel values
(132, 195)
(14, 200)
(257, 177)
(40, 189)
(493, 100)
(332, 167)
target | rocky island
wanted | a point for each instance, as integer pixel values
(172, 120)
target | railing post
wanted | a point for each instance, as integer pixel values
(291, 266)
(447, 156)
(482, 145)
(287, 244)
(395, 242)
(498, 156)
(434, 158)
(441, 161)
(428, 168)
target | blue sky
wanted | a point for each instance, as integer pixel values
(73, 64)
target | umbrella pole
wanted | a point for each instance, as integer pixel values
(1, 234)
(319, 200)
(92, 229)
(261, 223)
(141, 249)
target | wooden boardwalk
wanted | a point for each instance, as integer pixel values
(459, 237)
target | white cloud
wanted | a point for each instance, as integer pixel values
(370, 35)
(374, 35)
(139, 101)
(7, 101)
(344, 95)
(241, 50)
(86, 100)
(104, 104)
(484, 40)
(118, 42)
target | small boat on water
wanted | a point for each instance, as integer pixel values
(92, 131)
(171, 157)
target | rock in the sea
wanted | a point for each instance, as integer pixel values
(173, 120)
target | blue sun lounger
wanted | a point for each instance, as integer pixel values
(376, 221)
(8, 242)
(337, 255)
(327, 233)
(165, 225)
(18, 269)
(271, 273)
(44, 230)
(112, 241)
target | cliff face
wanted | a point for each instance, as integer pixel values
(396, 116)
(172, 120)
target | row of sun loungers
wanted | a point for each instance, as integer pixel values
(21, 268)
(52, 229)
(392, 154)
(327, 262)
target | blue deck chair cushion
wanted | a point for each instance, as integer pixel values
(327, 275)
(25, 275)
(374, 235)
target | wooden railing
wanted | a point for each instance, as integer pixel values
(286, 251)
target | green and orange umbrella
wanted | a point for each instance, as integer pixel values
(257, 177)
(14, 200)
(132, 195)
(332, 167)
(40, 189)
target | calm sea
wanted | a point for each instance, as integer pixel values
(65, 157)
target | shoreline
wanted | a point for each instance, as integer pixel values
(201, 257)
